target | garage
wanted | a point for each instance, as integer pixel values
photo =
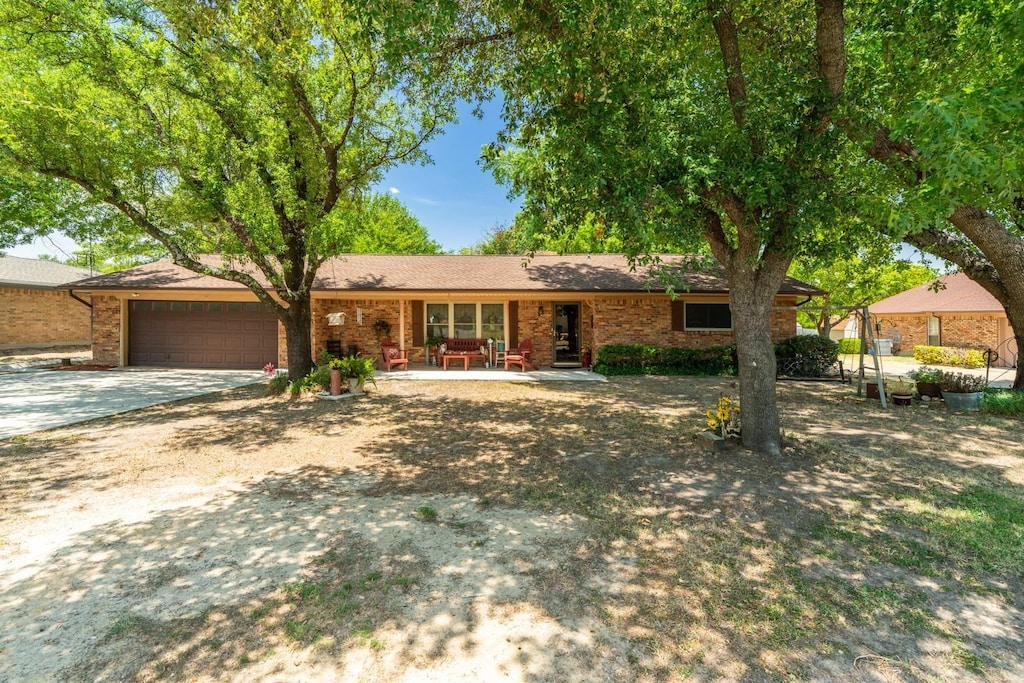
(207, 334)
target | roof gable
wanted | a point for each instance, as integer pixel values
(958, 293)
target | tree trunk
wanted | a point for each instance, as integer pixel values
(755, 352)
(990, 255)
(297, 320)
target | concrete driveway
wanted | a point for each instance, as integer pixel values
(43, 399)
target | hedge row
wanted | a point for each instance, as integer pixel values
(637, 359)
(949, 355)
(849, 345)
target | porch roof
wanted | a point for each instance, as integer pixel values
(466, 273)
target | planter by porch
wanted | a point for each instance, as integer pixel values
(963, 401)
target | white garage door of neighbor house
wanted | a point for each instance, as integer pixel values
(207, 334)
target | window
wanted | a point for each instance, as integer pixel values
(708, 317)
(465, 320)
(437, 320)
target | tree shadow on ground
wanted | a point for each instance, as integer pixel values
(540, 531)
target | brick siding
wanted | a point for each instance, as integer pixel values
(106, 338)
(649, 321)
(974, 330)
(42, 317)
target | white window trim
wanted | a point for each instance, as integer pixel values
(479, 318)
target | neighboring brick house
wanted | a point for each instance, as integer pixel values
(36, 310)
(162, 314)
(956, 312)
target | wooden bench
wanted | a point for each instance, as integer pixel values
(465, 350)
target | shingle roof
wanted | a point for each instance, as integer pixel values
(961, 294)
(448, 273)
(31, 272)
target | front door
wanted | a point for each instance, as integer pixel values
(566, 336)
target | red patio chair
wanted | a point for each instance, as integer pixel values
(393, 355)
(520, 356)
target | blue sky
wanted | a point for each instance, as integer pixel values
(455, 199)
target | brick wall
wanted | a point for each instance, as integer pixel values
(42, 317)
(965, 329)
(630, 320)
(363, 336)
(975, 330)
(106, 338)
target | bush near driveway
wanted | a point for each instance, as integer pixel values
(949, 355)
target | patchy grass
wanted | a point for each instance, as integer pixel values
(883, 544)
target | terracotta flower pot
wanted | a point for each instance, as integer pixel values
(931, 389)
(335, 382)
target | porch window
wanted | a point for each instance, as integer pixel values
(465, 320)
(708, 316)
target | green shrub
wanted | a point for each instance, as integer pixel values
(949, 355)
(926, 375)
(807, 355)
(849, 345)
(637, 359)
(1003, 402)
(277, 384)
(961, 382)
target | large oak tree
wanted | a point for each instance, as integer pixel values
(947, 123)
(247, 129)
(714, 118)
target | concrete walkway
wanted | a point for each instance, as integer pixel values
(42, 399)
(895, 366)
(457, 374)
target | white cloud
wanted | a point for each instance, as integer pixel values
(393, 190)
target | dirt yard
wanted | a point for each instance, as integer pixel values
(498, 531)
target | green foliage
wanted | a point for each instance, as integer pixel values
(961, 383)
(250, 130)
(807, 355)
(871, 274)
(637, 359)
(849, 345)
(926, 375)
(278, 384)
(949, 355)
(1003, 402)
(385, 226)
(357, 367)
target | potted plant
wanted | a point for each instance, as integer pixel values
(382, 328)
(357, 370)
(901, 391)
(928, 380)
(962, 391)
(871, 388)
(431, 343)
(335, 365)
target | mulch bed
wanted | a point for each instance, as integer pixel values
(83, 366)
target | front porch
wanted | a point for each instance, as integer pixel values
(433, 373)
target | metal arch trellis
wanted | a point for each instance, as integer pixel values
(867, 340)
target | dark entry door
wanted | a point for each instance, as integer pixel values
(567, 336)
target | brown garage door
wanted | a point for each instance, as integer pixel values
(209, 334)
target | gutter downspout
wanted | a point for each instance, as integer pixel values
(77, 298)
